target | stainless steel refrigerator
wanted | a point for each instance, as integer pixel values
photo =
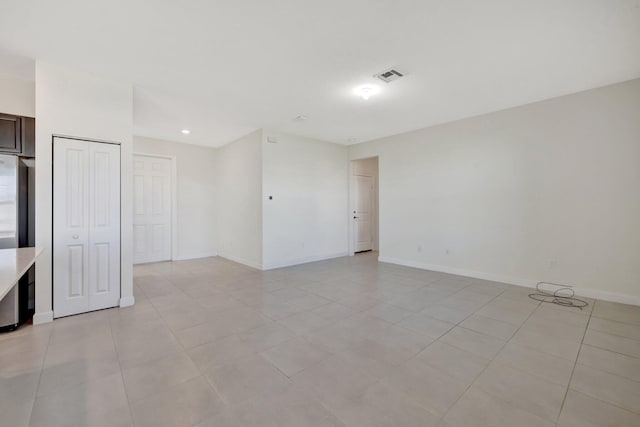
(17, 209)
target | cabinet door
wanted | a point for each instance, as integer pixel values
(9, 133)
(104, 225)
(70, 227)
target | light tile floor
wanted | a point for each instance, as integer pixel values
(345, 342)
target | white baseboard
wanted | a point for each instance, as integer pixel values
(608, 296)
(304, 260)
(127, 301)
(194, 256)
(241, 261)
(461, 272)
(529, 283)
(44, 317)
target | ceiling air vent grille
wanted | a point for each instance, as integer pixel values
(389, 75)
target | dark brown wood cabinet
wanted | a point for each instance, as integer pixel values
(17, 135)
(10, 135)
(28, 133)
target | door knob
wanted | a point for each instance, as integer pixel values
(75, 236)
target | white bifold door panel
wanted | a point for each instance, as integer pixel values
(151, 209)
(86, 226)
(363, 213)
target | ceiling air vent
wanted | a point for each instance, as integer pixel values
(389, 75)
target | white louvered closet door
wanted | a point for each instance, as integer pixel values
(86, 226)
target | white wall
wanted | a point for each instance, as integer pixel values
(307, 218)
(195, 191)
(17, 97)
(366, 167)
(82, 105)
(548, 191)
(239, 200)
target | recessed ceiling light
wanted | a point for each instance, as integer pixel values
(185, 131)
(300, 118)
(366, 91)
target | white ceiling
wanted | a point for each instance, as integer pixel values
(226, 67)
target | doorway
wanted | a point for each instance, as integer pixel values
(364, 205)
(152, 208)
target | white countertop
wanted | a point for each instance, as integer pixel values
(13, 264)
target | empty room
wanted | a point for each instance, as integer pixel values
(320, 214)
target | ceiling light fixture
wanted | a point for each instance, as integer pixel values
(185, 131)
(300, 118)
(366, 91)
(389, 75)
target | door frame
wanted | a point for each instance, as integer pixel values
(174, 197)
(351, 204)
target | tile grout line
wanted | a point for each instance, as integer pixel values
(586, 328)
(330, 351)
(441, 418)
(44, 358)
(614, 352)
(296, 336)
(485, 368)
(184, 349)
(129, 401)
(459, 324)
(124, 385)
(201, 374)
(455, 324)
(616, 405)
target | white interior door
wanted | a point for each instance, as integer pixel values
(363, 213)
(86, 226)
(104, 225)
(71, 227)
(151, 209)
